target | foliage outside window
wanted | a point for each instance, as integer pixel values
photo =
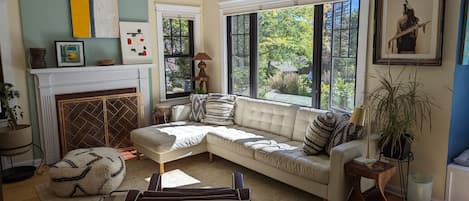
(178, 53)
(284, 65)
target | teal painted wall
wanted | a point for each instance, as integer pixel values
(45, 21)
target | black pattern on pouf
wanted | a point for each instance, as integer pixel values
(92, 171)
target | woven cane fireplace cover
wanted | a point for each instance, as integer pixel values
(91, 171)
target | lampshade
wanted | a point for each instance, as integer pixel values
(358, 116)
(201, 56)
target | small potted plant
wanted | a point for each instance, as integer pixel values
(398, 106)
(15, 138)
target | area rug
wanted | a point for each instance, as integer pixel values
(196, 171)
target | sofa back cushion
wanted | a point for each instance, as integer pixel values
(303, 119)
(274, 117)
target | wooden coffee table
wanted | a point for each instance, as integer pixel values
(381, 172)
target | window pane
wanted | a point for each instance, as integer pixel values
(167, 46)
(343, 83)
(178, 62)
(178, 75)
(339, 68)
(166, 27)
(241, 72)
(175, 27)
(285, 55)
(185, 45)
(184, 27)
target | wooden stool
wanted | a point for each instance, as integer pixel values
(381, 172)
(162, 114)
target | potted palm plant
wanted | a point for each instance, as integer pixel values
(399, 107)
(15, 138)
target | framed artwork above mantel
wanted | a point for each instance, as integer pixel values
(408, 32)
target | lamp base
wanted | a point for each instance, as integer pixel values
(365, 161)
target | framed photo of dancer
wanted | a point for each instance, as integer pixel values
(408, 32)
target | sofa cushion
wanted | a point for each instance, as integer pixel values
(290, 157)
(219, 109)
(242, 140)
(197, 107)
(172, 136)
(274, 117)
(318, 133)
(342, 133)
(304, 117)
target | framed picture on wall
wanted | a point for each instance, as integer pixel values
(464, 57)
(135, 43)
(408, 32)
(70, 53)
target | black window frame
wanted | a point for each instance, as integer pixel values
(317, 55)
(181, 55)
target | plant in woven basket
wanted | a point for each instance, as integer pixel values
(399, 105)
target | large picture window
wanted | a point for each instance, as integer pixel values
(178, 52)
(303, 55)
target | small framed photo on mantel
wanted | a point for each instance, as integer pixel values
(70, 53)
(408, 32)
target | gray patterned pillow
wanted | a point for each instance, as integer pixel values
(318, 133)
(219, 109)
(197, 107)
(343, 132)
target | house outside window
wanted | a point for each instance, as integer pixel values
(304, 55)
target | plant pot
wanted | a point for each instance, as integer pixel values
(15, 142)
(400, 152)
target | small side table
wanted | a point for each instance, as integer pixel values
(381, 172)
(162, 114)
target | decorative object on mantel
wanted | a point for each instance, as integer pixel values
(105, 62)
(95, 18)
(406, 35)
(135, 43)
(15, 139)
(70, 53)
(202, 78)
(37, 57)
(464, 55)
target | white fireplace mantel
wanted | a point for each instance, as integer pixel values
(56, 81)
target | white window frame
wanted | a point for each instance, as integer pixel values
(168, 10)
(228, 8)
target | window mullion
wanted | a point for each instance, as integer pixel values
(317, 56)
(253, 54)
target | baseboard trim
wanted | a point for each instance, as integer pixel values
(396, 190)
(35, 162)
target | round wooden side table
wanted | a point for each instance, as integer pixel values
(381, 172)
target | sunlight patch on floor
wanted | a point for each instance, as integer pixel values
(176, 178)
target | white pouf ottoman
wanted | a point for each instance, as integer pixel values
(91, 171)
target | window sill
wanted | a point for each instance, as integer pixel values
(176, 101)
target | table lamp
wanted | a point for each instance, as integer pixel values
(359, 117)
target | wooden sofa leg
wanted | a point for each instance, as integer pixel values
(210, 157)
(161, 168)
(139, 157)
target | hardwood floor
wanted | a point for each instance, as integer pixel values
(25, 190)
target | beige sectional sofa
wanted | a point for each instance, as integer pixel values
(267, 137)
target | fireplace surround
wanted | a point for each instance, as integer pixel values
(52, 82)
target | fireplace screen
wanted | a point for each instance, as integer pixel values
(99, 121)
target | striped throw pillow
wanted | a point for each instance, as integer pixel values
(219, 109)
(197, 107)
(343, 132)
(318, 133)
